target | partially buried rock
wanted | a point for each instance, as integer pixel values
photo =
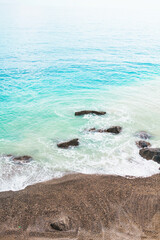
(63, 224)
(114, 130)
(143, 144)
(143, 135)
(22, 159)
(71, 143)
(81, 113)
(151, 154)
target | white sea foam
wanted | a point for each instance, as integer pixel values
(134, 108)
(58, 57)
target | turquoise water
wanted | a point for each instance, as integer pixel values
(56, 59)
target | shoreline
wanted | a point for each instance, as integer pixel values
(79, 206)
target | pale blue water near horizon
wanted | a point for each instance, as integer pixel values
(60, 57)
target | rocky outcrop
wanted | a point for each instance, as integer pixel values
(83, 207)
(143, 135)
(114, 130)
(71, 143)
(143, 144)
(151, 154)
(81, 113)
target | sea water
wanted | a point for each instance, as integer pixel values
(58, 57)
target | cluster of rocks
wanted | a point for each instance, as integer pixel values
(146, 151)
(145, 147)
(75, 142)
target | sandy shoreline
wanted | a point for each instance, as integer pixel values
(81, 206)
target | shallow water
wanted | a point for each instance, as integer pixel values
(58, 59)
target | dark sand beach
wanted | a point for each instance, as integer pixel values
(78, 206)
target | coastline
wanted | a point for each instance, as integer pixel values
(79, 206)
(79, 120)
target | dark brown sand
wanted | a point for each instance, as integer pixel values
(84, 207)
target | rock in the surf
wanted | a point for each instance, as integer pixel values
(143, 135)
(97, 130)
(81, 113)
(9, 156)
(92, 130)
(151, 154)
(143, 144)
(19, 159)
(22, 159)
(71, 143)
(114, 130)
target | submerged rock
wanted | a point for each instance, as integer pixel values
(143, 144)
(81, 113)
(143, 135)
(71, 143)
(9, 155)
(97, 130)
(114, 130)
(22, 159)
(151, 154)
(19, 159)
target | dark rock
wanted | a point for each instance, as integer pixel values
(151, 154)
(61, 225)
(157, 158)
(9, 155)
(97, 130)
(143, 135)
(19, 159)
(72, 143)
(92, 130)
(57, 226)
(89, 112)
(22, 159)
(143, 144)
(114, 129)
